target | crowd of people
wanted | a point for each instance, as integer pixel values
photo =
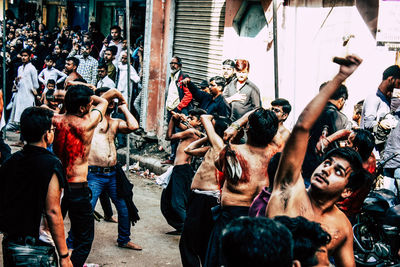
(257, 195)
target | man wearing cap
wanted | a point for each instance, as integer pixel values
(228, 70)
(377, 105)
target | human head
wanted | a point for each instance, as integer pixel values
(194, 116)
(262, 127)
(390, 80)
(363, 142)
(51, 84)
(124, 57)
(86, 48)
(110, 53)
(49, 61)
(50, 98)
(102, 70)
(57, 50)
(71, 64)
(357, 112)
(242, 68)
(217, 84)
(339, 97)
(29, 42)
(78, 99)
(25, 55)
(340, 173)
(257, 241)
(204, 86)
(111, 104)
(308, 237)
(228, 68)
(282, 108)
(36, 125)
(115, 32)
(175, 64)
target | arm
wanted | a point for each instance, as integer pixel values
(34, 77)
(134, 76)
(181, 135)
(196, 148)
(196, 92)
(255, 97)
(41, 77)
(296, 146)
(370, 110)
(344, 133)
(344, 255)
(55, 219)
(74, 50)
(187, 98)
(216, 141)
(130, 124)
(231, 132)
(62, 75)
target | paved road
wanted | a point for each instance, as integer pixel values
(159, 249)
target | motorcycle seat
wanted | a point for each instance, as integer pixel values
(392, 216)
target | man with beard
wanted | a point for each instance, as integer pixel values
(337, 177)
(71, 65)
(116, 40)
(87, 64)
(103, 169)
(228, 70)
(73, 137)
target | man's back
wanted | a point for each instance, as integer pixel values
(72, 145)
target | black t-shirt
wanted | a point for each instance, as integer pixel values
(24, 181)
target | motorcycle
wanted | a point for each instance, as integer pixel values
(377, 229)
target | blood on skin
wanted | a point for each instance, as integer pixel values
(245, 168)
(68, 145)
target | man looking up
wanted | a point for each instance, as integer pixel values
(87, 64)
(335, 178)
(244, 169)
(31, 184)
(73, 136)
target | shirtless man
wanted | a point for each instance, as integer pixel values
(174, 197)
(71, 65)
(245, 171)
(102, 165)
(73, 136)
(282, 109)
(205, 192)
(336, 177)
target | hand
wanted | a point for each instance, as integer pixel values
(17, 79)
(91, 86)
(34, 91)
(321, 146)
(186, 81)
(238, 97)
(122, 107)
(230, 133)
(346, 71)
(66, 262)
(176, 116)
(386, 124)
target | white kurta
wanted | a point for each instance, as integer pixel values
(123, 81)
(24, 97)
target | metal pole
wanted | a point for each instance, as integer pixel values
(4, 58)
(275, 31)
(128, 51)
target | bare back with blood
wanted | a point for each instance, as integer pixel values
(205, 178)
(72, 145)
(254, 164)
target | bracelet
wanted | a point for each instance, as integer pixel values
(64, 256)
(235, 126)
(101, 114)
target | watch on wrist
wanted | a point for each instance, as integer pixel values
(235, 126)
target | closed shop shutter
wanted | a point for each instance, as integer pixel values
(198, 38)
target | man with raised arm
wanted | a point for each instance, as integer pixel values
(337, 176)
(73, 137)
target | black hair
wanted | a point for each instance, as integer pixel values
(364, 141)
(115, 27)
(74, 60)
(49, 57)
(87, 45)
(102, 66)
(51, 81)
(358, 107)
(392, 71)
(221, 124)
(197, 112)
(229, 62)
(357, 176)
(50, 95)
(286, 107)
(256, 242)
(77, 96)
(113, 49)
(35, 121)
(219, 81)
(178, 59)
(340, 92)
(272, 168)
(25, 50)
(308, 237)
(203, 84)
(263, 125)
(101, 90)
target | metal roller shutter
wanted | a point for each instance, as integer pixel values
(198, 40)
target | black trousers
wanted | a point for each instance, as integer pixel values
(174, 198)
(197, 229)
(80, 212)
(5, 150)
(222, 216)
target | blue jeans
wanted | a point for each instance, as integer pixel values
(98, 182)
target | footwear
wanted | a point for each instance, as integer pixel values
(111, 219)
(130, 245)
(176, 232)
(168, 161)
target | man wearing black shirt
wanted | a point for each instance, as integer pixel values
(31, 183)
